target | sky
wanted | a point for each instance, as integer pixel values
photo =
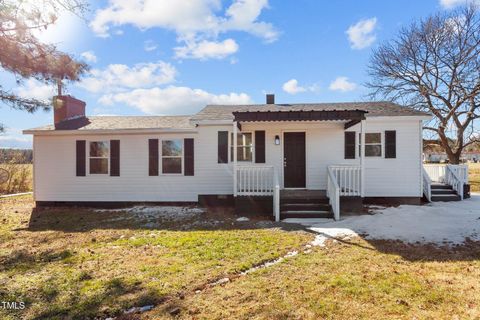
(164, 57)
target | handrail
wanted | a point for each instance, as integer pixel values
(454, 180)
(437, 172)
(349, 179)
(427, 185)
(276, 196)
(259, 180)
(255, 180)
(333, 193)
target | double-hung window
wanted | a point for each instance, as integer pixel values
(172, 156)
(99, 155)
(244, 147)
(373, 144)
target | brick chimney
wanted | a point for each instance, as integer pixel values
(66, 108)
(270, 98)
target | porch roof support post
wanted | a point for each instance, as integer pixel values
(234, 142)
(362, 158)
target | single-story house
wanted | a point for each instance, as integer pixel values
(304, 157)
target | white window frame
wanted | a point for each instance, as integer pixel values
(382, 147)
(230, 147)
(107, 157)
(182, 157)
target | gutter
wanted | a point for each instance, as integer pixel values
(106, 131)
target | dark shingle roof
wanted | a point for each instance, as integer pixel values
(122, 123)
(374, 109)
(223, 112)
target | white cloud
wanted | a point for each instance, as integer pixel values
(36, 89)
(89, 56)
(449, 4)
(172, 99)
(342, 84)
(206, 49)
(361, 34)
(194, 20)
(117, 76)
(13, 138)
(242, 16)
(149, 45)
(292, 87)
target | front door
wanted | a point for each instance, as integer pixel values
(294, 165)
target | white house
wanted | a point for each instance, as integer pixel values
(304, 157)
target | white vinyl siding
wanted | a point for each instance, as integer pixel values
(55, 179)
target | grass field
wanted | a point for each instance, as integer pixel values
(76, 263)
(474, 176)
(20, 178)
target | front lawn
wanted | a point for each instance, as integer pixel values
(77, 263)
(354, 279)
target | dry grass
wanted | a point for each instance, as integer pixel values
(76, 263)
(20, 179)
(474, 176)
(350, 280)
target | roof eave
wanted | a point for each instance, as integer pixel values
(109, 131)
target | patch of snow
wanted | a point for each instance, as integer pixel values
(219, 282)
(270, 263)
(307, 221)
(242, 219)
(331, 233)
(166, 212)
(376, 207)
(437, 222)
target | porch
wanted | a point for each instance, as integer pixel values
(285, 180)
(445, 182)
(260, 183)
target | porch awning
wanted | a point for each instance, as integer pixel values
(352, 116)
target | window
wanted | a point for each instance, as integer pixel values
(373, 144)
(172, 153)
(99, 154)
(244, 146)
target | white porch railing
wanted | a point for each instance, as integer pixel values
(437, 172)
(255, 180)
(348, 178)
(276, 196)
(333, 193)
(259, 180)
(452, 178)
(461, 171)
(427, 185)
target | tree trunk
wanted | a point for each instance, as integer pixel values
(454, 158)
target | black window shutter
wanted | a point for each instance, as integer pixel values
(259, 146)
(390, 144)
(153, 157)
(349, 145)
(115, 158)
(81, 158)
(188, 168)
(223, 146)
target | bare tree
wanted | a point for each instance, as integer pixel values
(25, 56)
(434, 65)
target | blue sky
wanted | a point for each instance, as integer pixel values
(174, 57)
